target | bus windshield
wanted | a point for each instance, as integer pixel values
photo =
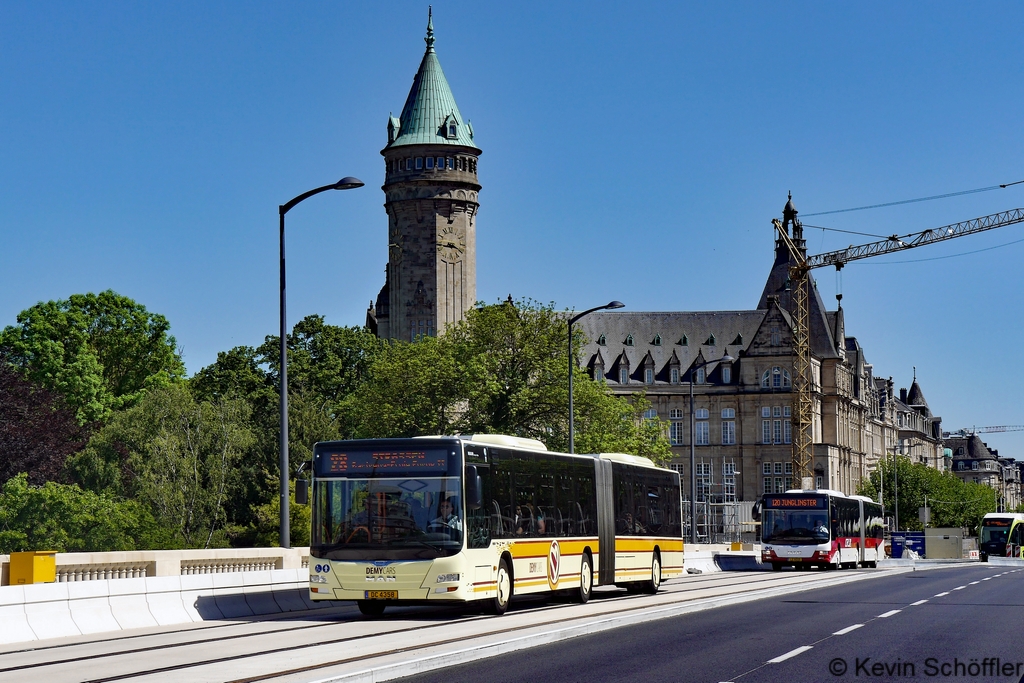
(794, 526)
(994, 534)
(386, 519)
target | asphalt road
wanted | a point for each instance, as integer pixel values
(956, 624)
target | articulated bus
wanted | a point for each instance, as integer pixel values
(820, 528)
(1000, 533)
(485, 517)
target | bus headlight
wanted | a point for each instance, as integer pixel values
(313, 578)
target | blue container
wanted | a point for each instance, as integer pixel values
(898, 543)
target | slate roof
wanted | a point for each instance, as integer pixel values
(726, 326)
(429, 106)
(974, 448)
(915, 398)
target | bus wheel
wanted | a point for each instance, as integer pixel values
(371, 608)
(499, 604)
(586, 580)
(776, 566)
(654, 584)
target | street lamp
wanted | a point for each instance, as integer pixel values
(572, 362)
(346, 183)
(693, 453)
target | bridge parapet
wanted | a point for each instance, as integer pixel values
(72, 567)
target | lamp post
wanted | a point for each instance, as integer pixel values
(346, 183)
(693, 452)
(572, 362)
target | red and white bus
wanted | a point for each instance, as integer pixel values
(820, 528)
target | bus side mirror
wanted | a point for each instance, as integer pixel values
(474, 488)
(302, 491)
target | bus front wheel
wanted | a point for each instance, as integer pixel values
(370, 608)
(499, 604)
(586, 580)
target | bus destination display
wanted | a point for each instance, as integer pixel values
(791, 502)
(385, 462)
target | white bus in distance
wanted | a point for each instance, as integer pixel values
(820, 528)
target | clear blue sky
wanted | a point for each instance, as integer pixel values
(634, 151)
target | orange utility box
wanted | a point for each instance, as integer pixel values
(33, 566)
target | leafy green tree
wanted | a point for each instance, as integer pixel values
(68, 519)
(505, 370)
(176, 455)
(100, 351)
(953, 502)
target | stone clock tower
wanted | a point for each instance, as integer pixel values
(431, 193)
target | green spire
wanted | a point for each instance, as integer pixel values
(430, 115)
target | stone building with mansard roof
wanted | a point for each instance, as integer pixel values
(743, 408)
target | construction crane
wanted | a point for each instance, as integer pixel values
(987, 430)
(799, 282)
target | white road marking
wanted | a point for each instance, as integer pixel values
(843, 632)
(791, 653)
(942, 595)
(889, 613)
(960, 588)
(973, 583)
(986, 578)
(919, 602)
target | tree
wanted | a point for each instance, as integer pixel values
(176, 455)
(953, 502)
(504, 369)
(37, 430)
(100, 351)
(67, 519)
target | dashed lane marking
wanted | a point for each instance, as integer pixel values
(919, 602)
(791, 653)
(942, 595)
(844, 631)
(960, 588)
(973, 583)
(889, 613)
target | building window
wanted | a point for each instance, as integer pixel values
(650, 414)
(419, 163)
(776, 411)
(408, 164)
(789, 468)
(701, 413)
(787, 431)
(601, 341)
(728, 433)
(767, 484)
(675, 413)
(974, 465)
(452, 132)
(657, 340)
(728, 413)
(726, 374)
(704, 480)
(778, 485)
(766, 431)
(675, 375)
(777, 431)
(728, 482)
(649, 375)
(598, 374)
(675, 432)
(430, 162)
(776, 337)
(451, 163)
(440, 162)
(702, 433)
(629, 340)
(789, 483)
(766, 468)
(623, 376)
(700, 376)
(786, 411)
(817, 482)
(778, 468)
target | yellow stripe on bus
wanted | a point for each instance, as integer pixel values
(540, 547)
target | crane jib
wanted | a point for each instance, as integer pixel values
(917, 239)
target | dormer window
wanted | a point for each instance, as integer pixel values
(657, 340)
(629, 340)
(623, 376)
(452, 131)
(601, 341)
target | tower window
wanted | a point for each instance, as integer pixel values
(451, 130)
(408, 164)
(440, 162)
(450, 163)
(430, 162)
(419, 163)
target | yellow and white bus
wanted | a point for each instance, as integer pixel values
(486, 517)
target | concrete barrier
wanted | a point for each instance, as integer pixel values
(56, 610)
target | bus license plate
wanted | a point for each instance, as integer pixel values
(795, 559)
(381, 595)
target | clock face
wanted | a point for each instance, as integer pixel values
(395, 250)
(451, 244)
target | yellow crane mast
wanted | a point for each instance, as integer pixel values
(801, 265)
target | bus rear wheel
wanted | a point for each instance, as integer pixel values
(499, 603)
(586, 580)
(654, 584)
(371, 608)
